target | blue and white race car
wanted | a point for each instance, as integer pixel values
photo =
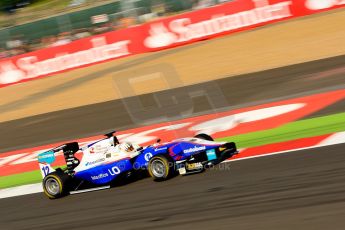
(106, 161)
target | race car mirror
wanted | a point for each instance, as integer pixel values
(110, 134)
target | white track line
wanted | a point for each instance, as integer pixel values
(21, 190)
(337, 138)
(334, 139)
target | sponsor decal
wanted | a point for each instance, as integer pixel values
(211, 154)
(46, 157)
(148, 156)
(161, 149)
(98, 148)
(100, 176)
(194, 149)
(193, 166)
(114, 171)
(94, 162)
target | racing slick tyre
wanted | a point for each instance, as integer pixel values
(204, 137)
(161, 167)
(55, 184)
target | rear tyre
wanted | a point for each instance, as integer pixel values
(161, 167)
(204, 137)
(56, 184)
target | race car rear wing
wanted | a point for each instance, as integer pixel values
(45, 159)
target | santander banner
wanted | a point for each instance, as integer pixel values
(161, 34)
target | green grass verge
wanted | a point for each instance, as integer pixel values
(20, 179)
(290, 131)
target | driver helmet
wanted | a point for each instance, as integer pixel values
(127, 147)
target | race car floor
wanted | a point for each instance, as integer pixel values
(298, 190)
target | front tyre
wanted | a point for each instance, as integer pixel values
(161, 167)
(55, 185)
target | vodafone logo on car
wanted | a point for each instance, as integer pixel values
(183, 29)
(322, 4)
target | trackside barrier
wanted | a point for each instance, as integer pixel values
(161, 34)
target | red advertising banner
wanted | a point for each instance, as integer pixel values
(161, 34)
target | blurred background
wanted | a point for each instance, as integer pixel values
(279, 52)
(28, 25)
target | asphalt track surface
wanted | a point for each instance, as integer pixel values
(297, 190)
(228, 93)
